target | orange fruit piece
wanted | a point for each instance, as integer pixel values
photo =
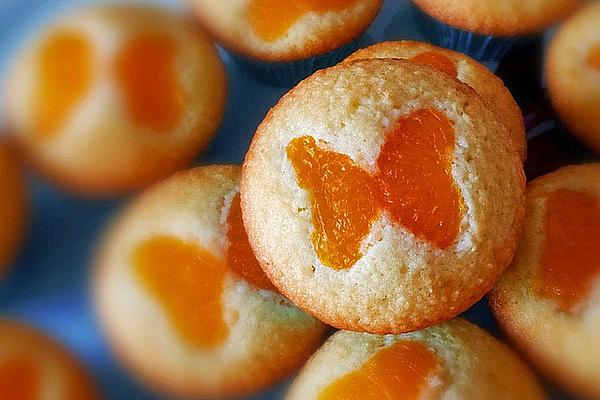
(271, 19)
(437, 61)
(240, 257)
(593, 58)
(570, 260)
(64, 76)
(188, 282)
(415, 177)
(397, 372)
(19, 379)
(145, 70)
(414, 184)
(343, 202)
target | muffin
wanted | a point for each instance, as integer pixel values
(282, 42)
(455, 360)
(467, 70)
(548, 301)
(370, 195)
(487, 29)
(33, 366)
(112, 98)
(573, 74)
(13, 210)
(176, 281)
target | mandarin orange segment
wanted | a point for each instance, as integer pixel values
(19, 379)
(437, 61)
(64, 77)
(593, 58)
(12, 201)
(343, 203)
(188, 282)
(240, 257)
(415, 177)
(570, 260)
(271, 19)
(397, 372)
(146, 73)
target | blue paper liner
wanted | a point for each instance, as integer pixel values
(290, 73)
(480, 47)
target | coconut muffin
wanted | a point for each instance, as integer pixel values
(548, 301)
(282, 42)
(13, 200)
(33, 366)
(487, 29)
(111, 98)
(464, 68)
(573, 74)
(370, 199)
(176, 281)
(455, 360)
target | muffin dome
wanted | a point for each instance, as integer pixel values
(13, 209)
(456, 360)
(274, 30)
(502, 18)
(112, 98)
(464, 68)
(370, 195)
(33, 366)
(176, 281)
(573, 74)
(548, 301)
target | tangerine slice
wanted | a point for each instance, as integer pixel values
(397, 372)
(145, 71)
(188, 282)
(437, 61)
(593, 58)
(13, 209)
(343, 202)
(19, 379)
(271, 19)
(415, 183)
(570, 260)
(64, 77)
(240, 257)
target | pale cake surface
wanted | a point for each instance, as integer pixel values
(473, 364)
(268, 336)
(400, 283)
(562, 345)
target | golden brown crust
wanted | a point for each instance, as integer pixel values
(347, 106)
(473, 364)
(13, 200)
(574, 86)
(103, 152)
(74, 382)
(306, 44)
(268, 337)
(476, 75)
(562, 346)
(502, 18)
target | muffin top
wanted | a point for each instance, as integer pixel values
(33, 366)
(573, 74)
(275, 30)
(501, 18)
(464, 68)
(111, 98)
(176, 281)
(13, 199)
(370, 193)
(548, 301)
(455, 360)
